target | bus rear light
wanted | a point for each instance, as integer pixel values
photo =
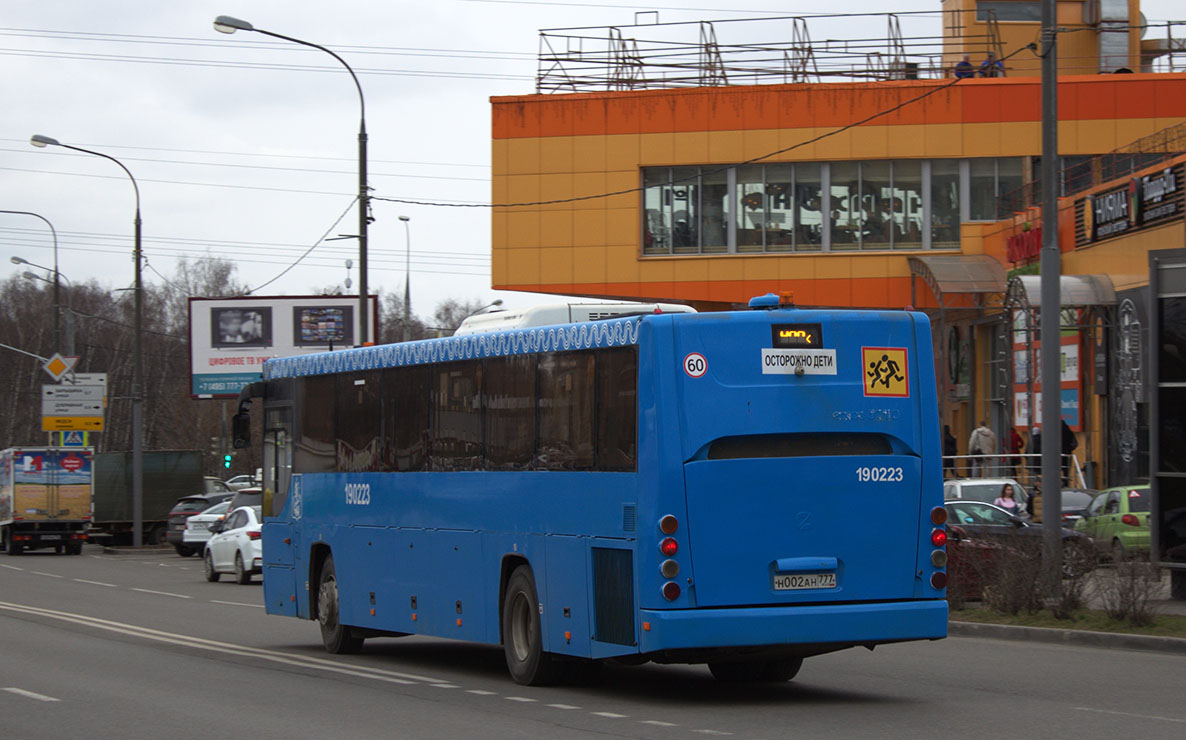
(939, 558)
(671, 590)
(939, 516)
(669, 547)
(668, 524)
(939, 581)
(1131, 520)
(938, 537)
(669, 569)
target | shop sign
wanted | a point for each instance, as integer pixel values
(1108, 214)
(1156, 201)
(1024, 246)
(1147, 200)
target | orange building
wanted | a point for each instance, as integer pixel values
(864, 194)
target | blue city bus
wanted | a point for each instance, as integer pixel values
(743, 489)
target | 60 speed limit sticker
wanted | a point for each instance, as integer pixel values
(695, 365)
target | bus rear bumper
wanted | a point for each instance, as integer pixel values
(856, 624)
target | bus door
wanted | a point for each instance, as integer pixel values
(281, 540)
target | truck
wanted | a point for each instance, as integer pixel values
(168, 475)
(45, 498)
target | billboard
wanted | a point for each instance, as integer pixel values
(231, 338)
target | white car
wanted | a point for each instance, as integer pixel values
(197, 527)
(235, 546)
(241, 481)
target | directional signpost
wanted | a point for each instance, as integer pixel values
(74, 406)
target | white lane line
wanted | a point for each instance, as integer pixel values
(481, 692)
(162, 593)
(147, 633)
(11, 567)
(96, 583)
(445, 685)
(236, 603)
(1130, 714)
(520, 698)
(713, 732)
(30, 694)
(611, 715)
(43, 573)
(658, 723)
(562, 706)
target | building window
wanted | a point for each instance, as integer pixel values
(1025, 11)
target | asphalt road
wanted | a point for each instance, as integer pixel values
(135, 646)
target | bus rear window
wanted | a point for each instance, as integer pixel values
(799, 445)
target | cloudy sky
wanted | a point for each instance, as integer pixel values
(245, 147)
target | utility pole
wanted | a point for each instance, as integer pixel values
(1051, 307)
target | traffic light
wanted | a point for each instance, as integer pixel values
(226, 461)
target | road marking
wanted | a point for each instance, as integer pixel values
(562, 706)
(43, 573)
(1130, 714)
(713, 732)
(481, 692)
(658, 723)
(96, 583)
(30, 694)
(236, 603)
(611, 715)
(445, 685)
(300, 661)
(162, 593)
(11, 567)
(520, 698)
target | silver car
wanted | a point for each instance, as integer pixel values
(986, 490)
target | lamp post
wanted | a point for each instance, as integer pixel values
(137, 349)
(69, 346)
(407, 278)
(57, 301)
(228, 24)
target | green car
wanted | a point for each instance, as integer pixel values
(1117, 521)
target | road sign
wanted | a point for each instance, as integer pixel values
(86, 379)
(72, 407)
(57, 366)
(74, 439)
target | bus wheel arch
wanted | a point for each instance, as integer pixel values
(338, 638)
(522, 633)
(509, 564)
(317, 555)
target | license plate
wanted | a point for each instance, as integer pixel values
(804, 581)
(48, 537)
(197, 525)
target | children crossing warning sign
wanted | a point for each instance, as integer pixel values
(885, 371)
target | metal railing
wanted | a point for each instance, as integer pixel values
(1026, 469)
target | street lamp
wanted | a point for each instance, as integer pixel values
(137, 349)
(228, 24)
(407, 278)
(57, 300)
(69, 349)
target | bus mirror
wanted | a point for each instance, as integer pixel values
(241, 430)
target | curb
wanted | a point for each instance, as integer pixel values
(1068, 637)
(146, 550)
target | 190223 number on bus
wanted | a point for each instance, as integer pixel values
(879, 475)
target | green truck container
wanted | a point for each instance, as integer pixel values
(168, 475)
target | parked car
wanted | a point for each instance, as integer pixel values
(241, 481)
(197, 527)
(253, 496)
(186, 507)
(979, 519)
(1117, 521)
(235, 546)
(1074, 504)
(984, 489)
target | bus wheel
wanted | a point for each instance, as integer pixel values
(337, 637)
(522, 639)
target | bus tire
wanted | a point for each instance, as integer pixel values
(522, 639)
(337, 637)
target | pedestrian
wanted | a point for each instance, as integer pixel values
(1034, 454)
(991, 67)
(1069, 443)
(949, 452)
(1016, 445)
(1007, 500)
(981, 444)
(1034, 505)
(964, 68)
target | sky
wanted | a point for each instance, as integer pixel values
(245, 147)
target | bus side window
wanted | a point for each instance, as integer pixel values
(617, 409)
(457, 416)
(509, 396)
(565, 411)
(358, 437)
(314, 442)
(407, 396)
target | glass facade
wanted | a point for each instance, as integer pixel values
(875, 205)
